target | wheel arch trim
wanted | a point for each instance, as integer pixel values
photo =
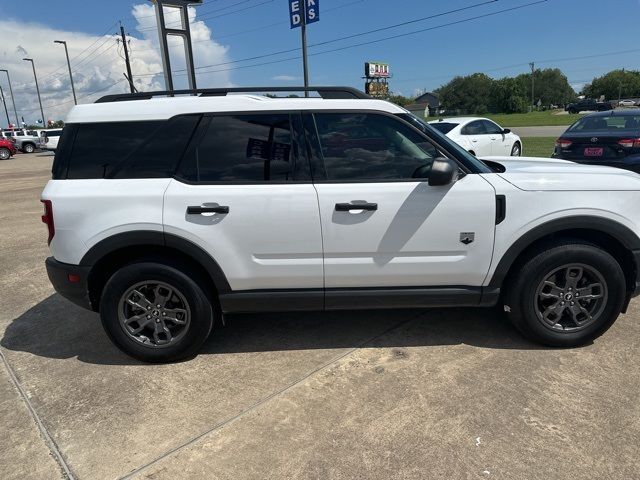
(627, 238)
(123, 240)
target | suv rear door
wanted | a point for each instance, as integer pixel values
(406, 233)
(244, 194)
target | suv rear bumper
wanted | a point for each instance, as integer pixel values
(70, 281)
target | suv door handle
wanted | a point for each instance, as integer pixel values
(345, 207)
(195, 209)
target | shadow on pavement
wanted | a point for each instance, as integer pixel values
(55, 328)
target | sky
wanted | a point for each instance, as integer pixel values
(250, 43)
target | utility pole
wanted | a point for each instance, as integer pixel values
(620, 86)
(126, 59)
(303, 32)
(533, 71)
(13, 99)
(73, 90)
(5, 106)
(33, 65)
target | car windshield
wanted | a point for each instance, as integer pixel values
(606, 123)
(444, 127)
(443, 139)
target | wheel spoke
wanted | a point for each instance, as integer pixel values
(573, 276)
(160, 297)
(555, 309)
(587, 293)
(142, 303)
(175, 315)
(576, 310)
(551, 290)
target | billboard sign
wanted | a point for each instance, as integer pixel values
(309, 8)
(376, 70)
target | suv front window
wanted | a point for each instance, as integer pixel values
(365, 146)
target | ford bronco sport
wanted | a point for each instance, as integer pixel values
(167, 212)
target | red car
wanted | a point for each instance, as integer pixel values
(7, 148)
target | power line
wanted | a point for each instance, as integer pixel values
(370, 42)
(368, 32)
(210, 16)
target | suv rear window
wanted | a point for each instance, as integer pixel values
(444, 127)
(610, 123)
(127, 149)
(245, 148)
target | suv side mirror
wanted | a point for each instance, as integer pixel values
(444, 171)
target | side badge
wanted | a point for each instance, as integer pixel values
(467, 237)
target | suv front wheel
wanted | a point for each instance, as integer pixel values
(566, 294)
(155, 312)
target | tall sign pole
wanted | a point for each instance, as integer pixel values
(302, 13)
(66, 52)
(13, 100)
(5, 106)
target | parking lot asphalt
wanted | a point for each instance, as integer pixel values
(398, 394)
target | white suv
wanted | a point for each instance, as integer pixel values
(166, 213)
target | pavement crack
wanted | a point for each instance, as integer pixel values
(271, 396)
(53, 447)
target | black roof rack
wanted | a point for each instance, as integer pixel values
(325, 92)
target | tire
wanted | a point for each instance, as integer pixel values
(28, 148)
(516, 150)
(544, 313)
(572, 111)
(187, 304)
(5, 153)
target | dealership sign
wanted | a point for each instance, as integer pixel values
(307, 11)
(376, 70)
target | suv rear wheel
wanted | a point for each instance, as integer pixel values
(567, 294)
(155, 312)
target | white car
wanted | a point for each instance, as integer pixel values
(627, 103)
(49, 139)
(164, 214)
(480, 136)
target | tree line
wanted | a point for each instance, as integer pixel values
(478, 93)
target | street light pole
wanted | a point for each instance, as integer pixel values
(13, 99)
(68, 65)
(33, 65)
(6, 112)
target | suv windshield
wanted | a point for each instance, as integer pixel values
(441, 138)
(607, 123)
(444, 127)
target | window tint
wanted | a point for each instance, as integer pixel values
(607, 122)
(444, 127)
(491, 127)
(245, 148)
(369, 146)
(100, 147)
(474, 128)
(52, 133)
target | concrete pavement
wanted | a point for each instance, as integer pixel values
(388, 394)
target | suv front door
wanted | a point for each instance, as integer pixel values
(407, 233)
(243, 193)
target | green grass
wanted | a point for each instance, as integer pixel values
(534, 119)
(538, 146)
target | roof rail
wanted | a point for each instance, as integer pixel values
(325, 92)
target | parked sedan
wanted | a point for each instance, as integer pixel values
(627, 103)
(604, 138)
(480, 136)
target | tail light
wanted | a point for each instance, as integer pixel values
(47, 219)
(563, 143)
(630, 142)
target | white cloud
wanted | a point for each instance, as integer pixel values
(285, 78)
(98, 70)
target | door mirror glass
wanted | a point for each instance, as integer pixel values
(444, 171)
(506, 130)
